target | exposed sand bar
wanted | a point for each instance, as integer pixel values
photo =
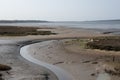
(61, 33)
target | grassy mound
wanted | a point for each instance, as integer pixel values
(22, 31)
(105, 43)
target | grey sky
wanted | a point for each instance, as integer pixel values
(60, 10)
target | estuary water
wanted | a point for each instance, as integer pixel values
(105, 24)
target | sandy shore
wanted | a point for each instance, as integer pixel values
(61, 33)
(55, 52)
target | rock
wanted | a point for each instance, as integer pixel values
(4, 67)
(94, 62)
(93, 74)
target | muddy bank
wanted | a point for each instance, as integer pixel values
(21, 69)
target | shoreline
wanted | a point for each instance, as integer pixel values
(62, 32)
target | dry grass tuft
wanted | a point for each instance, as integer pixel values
(112, 68)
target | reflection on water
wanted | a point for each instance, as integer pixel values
(104, 76)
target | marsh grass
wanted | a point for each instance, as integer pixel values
(22, 31)
(111, 43)
(80, 42)
(112, 68)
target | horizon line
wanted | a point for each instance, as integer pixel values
(58, 20)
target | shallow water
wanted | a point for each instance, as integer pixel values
(104, 76)
(60, 73)
(107, 24)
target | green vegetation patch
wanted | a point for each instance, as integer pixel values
(80, 42)
(105, 43)
(22, 31)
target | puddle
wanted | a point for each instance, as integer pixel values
(104, 76)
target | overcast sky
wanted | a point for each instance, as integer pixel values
(60, 10)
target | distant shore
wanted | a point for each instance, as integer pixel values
(22, 21)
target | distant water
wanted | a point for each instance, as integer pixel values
(110, 24)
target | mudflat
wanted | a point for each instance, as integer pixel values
(61, 50)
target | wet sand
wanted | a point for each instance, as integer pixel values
(21, 69)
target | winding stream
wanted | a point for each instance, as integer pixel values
(60, 73)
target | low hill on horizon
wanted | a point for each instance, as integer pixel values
(21, 21)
